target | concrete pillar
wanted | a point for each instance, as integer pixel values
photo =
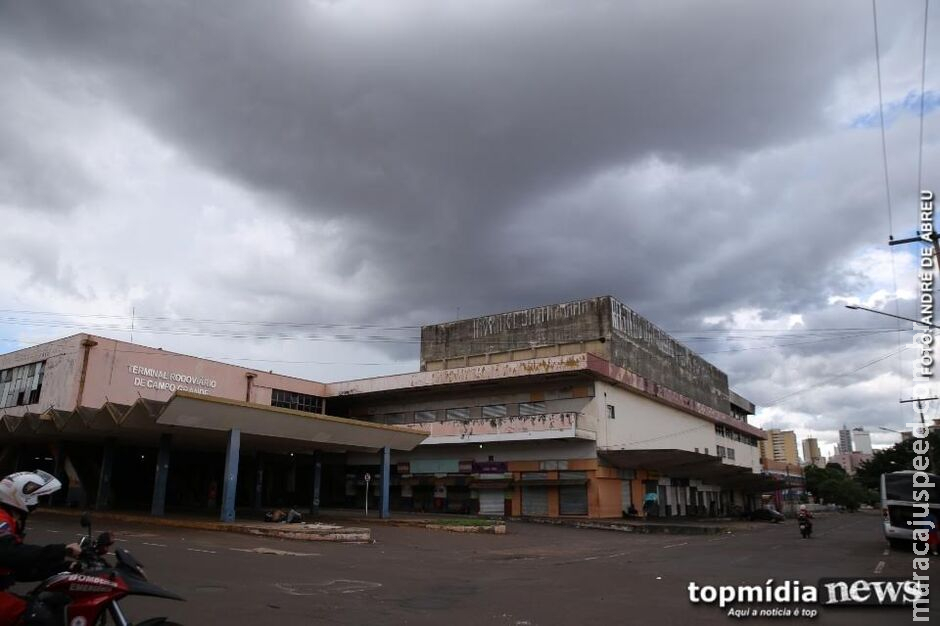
(161, 472)
(317, 472)
(259, 481)
(386, 478)
(230, 480)
(104, 478)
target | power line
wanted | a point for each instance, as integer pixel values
(221, 359)
(268, 323)
(923, 79)
(884, 155)
(798, 343)
(881, 111)
(378, 338)
(779, 400)
(207, 321)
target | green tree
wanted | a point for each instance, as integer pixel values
(898, 457)
(832, 485)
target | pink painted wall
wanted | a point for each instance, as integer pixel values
(121, 372)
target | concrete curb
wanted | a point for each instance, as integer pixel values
(496, 528)
(626, 527)
(342, 534)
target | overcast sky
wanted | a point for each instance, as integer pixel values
(369, 167)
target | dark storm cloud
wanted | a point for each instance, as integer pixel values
(447, 117)
(438, 110)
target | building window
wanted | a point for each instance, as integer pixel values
(425, 416)
(730, 452)
(720, 451)
(462, 414)
(610, 411)
(494, 410)
(531, 408)
(21, 385)
(397, 418)
(296, 401)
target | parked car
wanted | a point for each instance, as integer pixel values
(766, 514)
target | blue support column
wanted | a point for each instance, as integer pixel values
(230, 480)
(386, 478)
(317, 472)
(158, 506)
(104, 478)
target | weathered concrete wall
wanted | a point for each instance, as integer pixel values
(617, 334)
(571, 322)
(641, 347)
(62, 371)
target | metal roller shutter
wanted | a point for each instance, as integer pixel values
(491, 502)
(534, 499)
(573, 498)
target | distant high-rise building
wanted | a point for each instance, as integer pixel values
(861, 440)
(811, 453)
(780, 445)
(845, 440)
(850, 462)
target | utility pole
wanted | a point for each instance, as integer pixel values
(920, 407)
(926, 233)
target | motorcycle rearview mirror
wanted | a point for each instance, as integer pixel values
(86, 523)
(103, 542)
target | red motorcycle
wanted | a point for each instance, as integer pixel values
(88, 593)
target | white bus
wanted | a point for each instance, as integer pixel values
(897, 504)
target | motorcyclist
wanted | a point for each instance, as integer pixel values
(19, 495)
(805, 516)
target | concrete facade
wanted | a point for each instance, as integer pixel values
(811, 452)
(851, 461)
(586, 409)
(780, 445)
(602, 326)
(861, 441)
(845, 440)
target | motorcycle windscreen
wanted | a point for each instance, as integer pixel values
(139, 587)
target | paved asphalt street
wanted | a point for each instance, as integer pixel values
(535, 575)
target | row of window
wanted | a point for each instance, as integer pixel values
(21, 385)
(492, 411)
(296, 401)
(729, 433)
(722, 452)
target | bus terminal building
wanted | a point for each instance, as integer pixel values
(582, 409)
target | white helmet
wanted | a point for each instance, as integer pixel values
(802, 507)
(22, 490)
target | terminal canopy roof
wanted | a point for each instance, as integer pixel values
(198, 420)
